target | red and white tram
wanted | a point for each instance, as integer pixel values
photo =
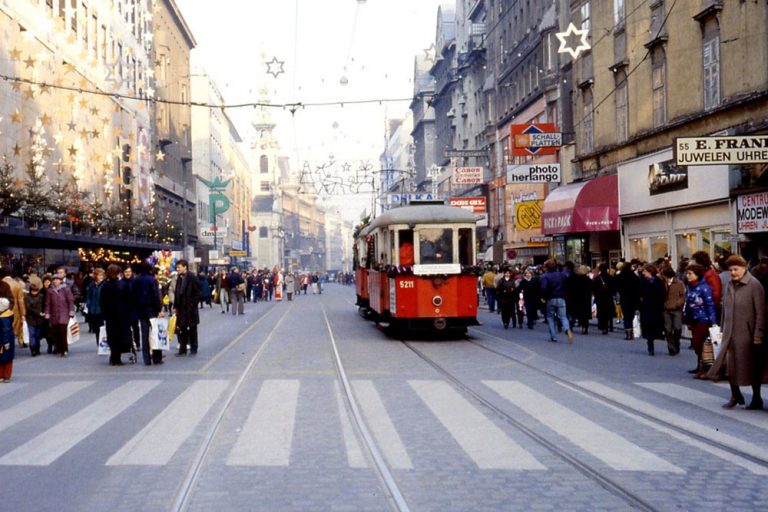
(415, 268)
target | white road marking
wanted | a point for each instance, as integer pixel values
(157, 442)
(355, 457)
(706, 401)
(39, 403)
(61, 437)
(485, 443)
(750, 466)
(10, 387)
(267, 435)
(381, 425)
(611, 448)
(706, 431)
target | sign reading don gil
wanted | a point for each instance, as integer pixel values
(533, 173)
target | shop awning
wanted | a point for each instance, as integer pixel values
(581, 207)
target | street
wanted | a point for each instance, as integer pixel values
(260, 420)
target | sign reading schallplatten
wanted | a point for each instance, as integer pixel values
(534, 173)
(721, 150)
(752, 213)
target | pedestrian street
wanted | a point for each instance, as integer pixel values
(259, 419)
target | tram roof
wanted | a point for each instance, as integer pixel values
(423, 214)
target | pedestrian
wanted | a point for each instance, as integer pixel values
(258, 287)
(205, 290)
(187, 295)
(530, 290)
(603, 291)
(279, 283)
(44, 329)
(59, 308)
(652, 297)
(236, 285)
(17, 289)
(290, 285)
(743, 328)
(222, 290)
(93, 302)
(673, 309)
(134, 332)
(114, 301)
(627, 285)
(712, 278)
(699, 313)
(488, 281)
(553, 291)
(34, 304)
(146, 299)
(7, 341)
(305, 280)
(579, 299)
(505, 295)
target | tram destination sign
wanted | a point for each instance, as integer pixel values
(721, 150)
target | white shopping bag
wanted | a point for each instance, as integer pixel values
(103, 349)
(637, 331)
(716, 335)
(73, 332)
(158, 334)
(25, 334)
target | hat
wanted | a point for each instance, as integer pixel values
(35, 283)
(735, 261)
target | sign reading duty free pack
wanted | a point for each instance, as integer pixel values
(721, 150)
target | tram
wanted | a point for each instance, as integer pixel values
(415, 268)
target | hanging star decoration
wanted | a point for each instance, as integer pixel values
(160, 156)
(572, 31)
(429, 53)
(275, 67)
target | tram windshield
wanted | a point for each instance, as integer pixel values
(435, 245)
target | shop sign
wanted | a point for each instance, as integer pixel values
(467, 176)
(459, 153)
(235, 253)
(541, 239)
(536, 173)
(207, 234)
(528, 215)
(666, 177)
(752, 213)
(407, 198)
(473, 204)
(721, 150)
(535, 139)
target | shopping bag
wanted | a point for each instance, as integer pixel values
(171, 328)
(158, 334)
(716, 335)
(103, 349)
(25, 334)
(73, 331)
(637, 331)
(708, 353)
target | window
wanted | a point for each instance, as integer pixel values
(585, 16)
(264, 164)
(622, 107)
(587, 121)
(435, 245)
(659, 87)
(264, 186)
(618, 12)
(466, 246)
(712, 72)
(405, 249)
(73, 15)
(263, 232)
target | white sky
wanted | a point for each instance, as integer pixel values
(376, 40)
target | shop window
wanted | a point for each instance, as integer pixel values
(435, 245)
(659, 248)
(465, 247)
(723, 246)
(263, 232)
(638, 248)
(686, 244)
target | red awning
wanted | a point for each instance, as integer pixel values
(580, 207)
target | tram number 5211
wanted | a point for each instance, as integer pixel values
(407, 284)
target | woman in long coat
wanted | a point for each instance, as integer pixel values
(580, 297)
(653, 294)
(603, 289)
(115, 308)
(7, 342)
(627, 283)
(743, 330)
(506, 297)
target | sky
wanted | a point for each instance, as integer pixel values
(372, 43)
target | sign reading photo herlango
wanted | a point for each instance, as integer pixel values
(752, 213)
(721, 150)
(535, 173)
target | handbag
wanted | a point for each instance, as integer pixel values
(240, 287)
(73, 331)
(158, 334)
(103, 346)
(708, 353)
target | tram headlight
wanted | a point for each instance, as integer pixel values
(437, 301)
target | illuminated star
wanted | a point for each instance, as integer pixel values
(84, 133)
(16, 86)
(94, 111)
(141, 148)
(15, 54)
(582, 35)
(275, 67)
(106, 165)
(30, 62)
(117, 152)
(429, 53)
(58, 137)
(160, 156)
(17, 149)
(72, 151)
(46, 120)
(16, 117)
(72, 126)
(94, 134)
(83, 103)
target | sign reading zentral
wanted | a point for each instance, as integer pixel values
(721, 150)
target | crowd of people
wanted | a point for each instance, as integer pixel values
(652, 301)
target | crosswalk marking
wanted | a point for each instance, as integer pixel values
(677, 420)
(10, 387)
(267, 435)
(485, 443)
(157, 442)
(61, 437)
(706, 401)
(381, 426)
(613, 449)
(39, 403)
(750, 466)
(355, 457)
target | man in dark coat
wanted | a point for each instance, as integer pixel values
(186, 298)
(145, 295)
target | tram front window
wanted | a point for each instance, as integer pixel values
(435, 246)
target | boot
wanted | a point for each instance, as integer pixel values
(650, 348)
(628, 334)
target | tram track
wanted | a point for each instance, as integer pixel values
(710, 442)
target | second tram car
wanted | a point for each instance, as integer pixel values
(415, 268)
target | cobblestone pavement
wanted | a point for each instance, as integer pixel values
(76, 434)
